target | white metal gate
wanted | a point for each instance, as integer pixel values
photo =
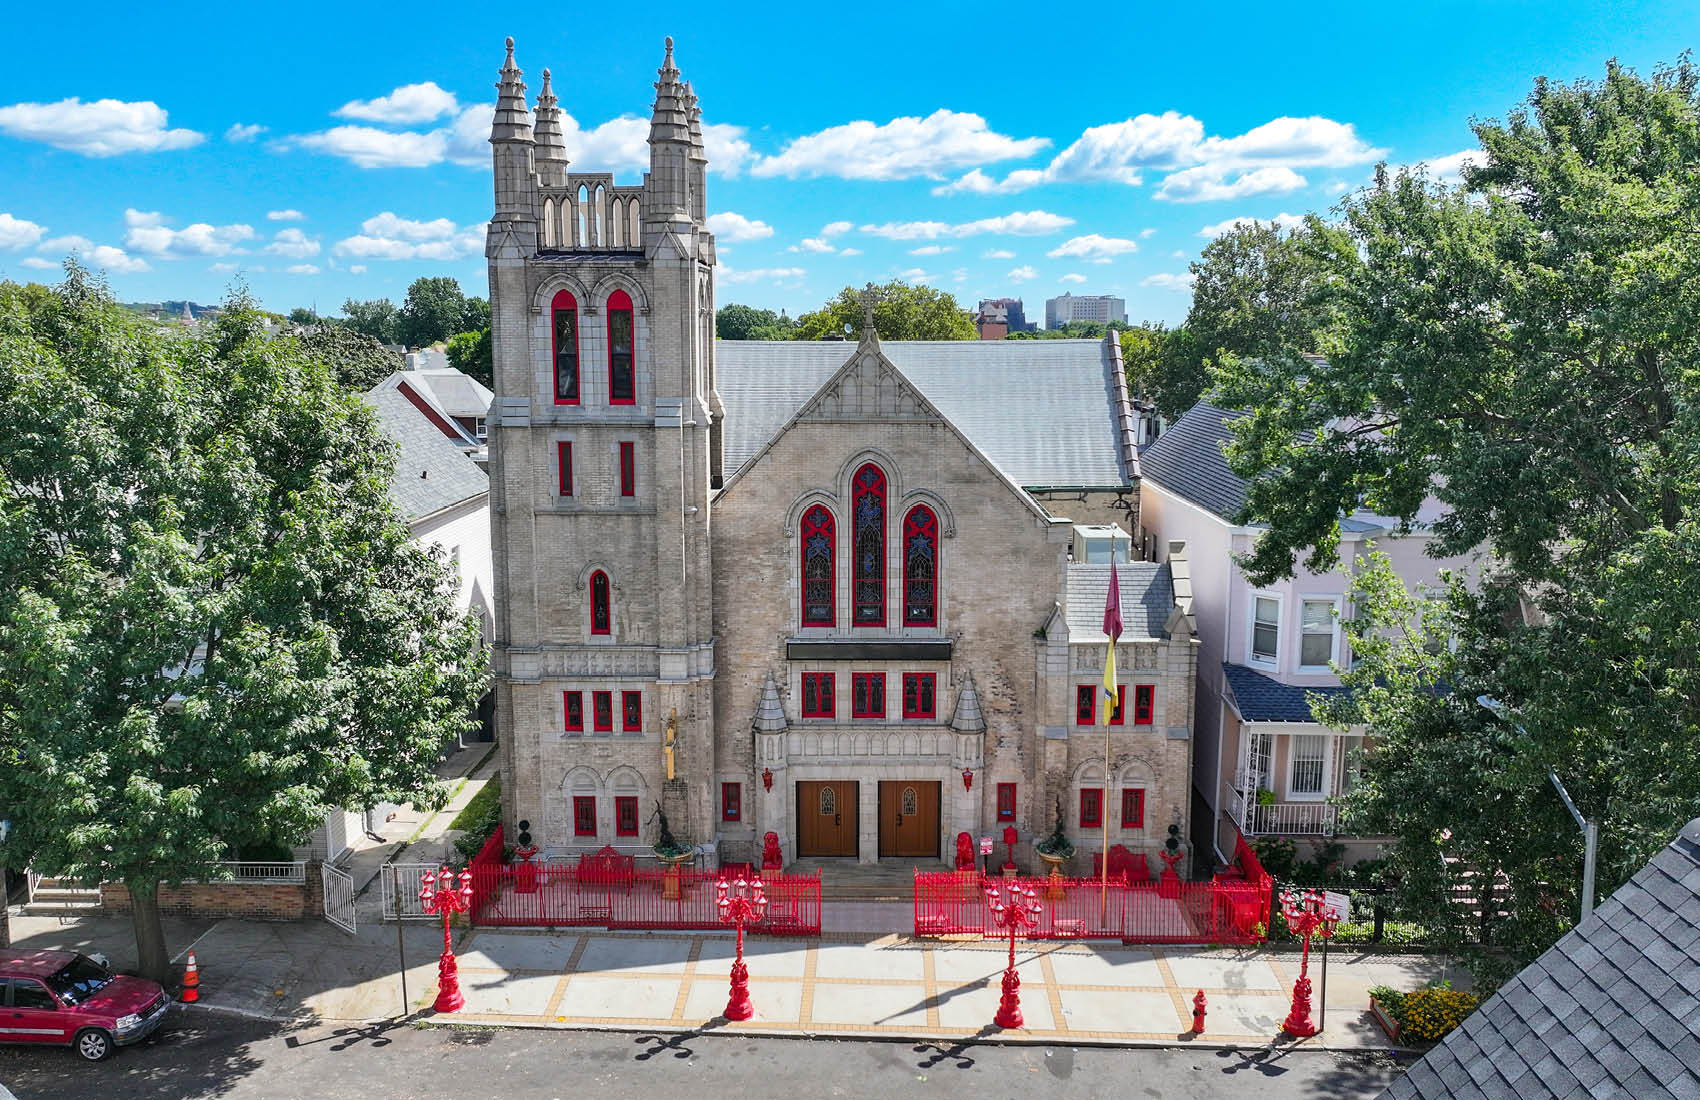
(401, 891)
(339, 896)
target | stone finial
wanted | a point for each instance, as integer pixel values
(670, 120)
(869, 296)
(693, 113)
(967, 718)
(513, 116)
(770, 710)
(551, 144)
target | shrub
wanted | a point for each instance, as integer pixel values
(1391, 1000)
(478, 819)
(1428, 1014)
(1277, 854)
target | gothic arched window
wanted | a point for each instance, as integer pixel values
(563, 313)
(599, 619)
(867, 572)
(622, 384)
(920, 567)
(817, 567)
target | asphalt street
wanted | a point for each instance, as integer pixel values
(207, 1055)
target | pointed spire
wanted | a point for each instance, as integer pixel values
(968, 718)
(669, 121)
(693, 112)
(551, 146)
(513, 118)
(770, 710)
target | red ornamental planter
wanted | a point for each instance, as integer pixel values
(1385, 1019)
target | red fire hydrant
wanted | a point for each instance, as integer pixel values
(1198, 1013)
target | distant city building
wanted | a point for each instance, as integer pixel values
(1102, 308)
(998, 317)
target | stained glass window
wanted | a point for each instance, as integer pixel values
(564, 312)
(868, 567)
(622, 385)
(817, 538)
(599, 620)
(920, 567)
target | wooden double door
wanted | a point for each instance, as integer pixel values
(826, 818)
(909, 819)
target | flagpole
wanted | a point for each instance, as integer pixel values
(1104, 821)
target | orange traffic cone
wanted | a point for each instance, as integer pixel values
(191, 982)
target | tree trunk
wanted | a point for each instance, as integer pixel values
(152, 960)
(5, 923)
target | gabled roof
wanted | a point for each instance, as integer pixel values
(1148, 597)
(432, 473)
(1187, 460)
(442, 395)
(1260, 698)
(1043, 411)
(1612, 1009)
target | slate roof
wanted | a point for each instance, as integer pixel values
(1148, 596)
(1263, 699)
(1042, 410)
(1187, 460)
(1612, 1009)
(450, 476)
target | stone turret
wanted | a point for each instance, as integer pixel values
(770, 710)
(551, 155)
(511, 148)
(699, 157)
(667, 197)
(968, 718)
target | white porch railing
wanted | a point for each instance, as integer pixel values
(1305, 818)
(290, 872)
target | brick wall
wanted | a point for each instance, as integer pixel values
(258, 901)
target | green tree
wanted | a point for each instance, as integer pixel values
(301, 315)
(213, 623)
(471, 352)
(356, 360)
(435, 309)
(1523, 349)
(736, 322)
(377, 318)
(904, 311)
(476, 315)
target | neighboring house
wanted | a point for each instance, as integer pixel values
(455, 402)
(1612, 1009)
(1263, 765)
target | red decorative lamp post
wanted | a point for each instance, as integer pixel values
(439, 894)
(1307, 913)
(737, 902)
(1018, 912)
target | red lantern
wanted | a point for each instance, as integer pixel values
(767, 779)
(967, 779)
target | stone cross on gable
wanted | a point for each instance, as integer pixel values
(869, 297)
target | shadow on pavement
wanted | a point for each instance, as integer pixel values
(190, 1056)
(954, 1054)
(677, 1044)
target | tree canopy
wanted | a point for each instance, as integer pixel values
(377, 318)
(904, 311)
(434, 310)
(214, 625)
(357, 360)
(473, 354)
(737, 322)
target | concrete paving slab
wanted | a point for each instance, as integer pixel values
(507, 951)
(514, 995)
(974, 1007)
(859, 960)
(620, 998)
(871, 1005)
(775, 1002)
(968, 966)
(648, 953)
(1245, 1013)
(1100, 1011)
(1246, 970)
(765, 958)
(1106, 967)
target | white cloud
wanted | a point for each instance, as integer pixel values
(357, 269)
(408, 104)
(70, 243)
(735, 227)
(1450, 168)
(1170, 280)
(900, 149)
(1022, 274)
(1335, 187)
(391, 237)
(285, 216)
(812, 244)
(726, 148)
(368, 147)
(978, 183)
(1178, 254)
(302, 269)
(932, 250)
(917, 275)
(468, 136)
(836, 229)
(103, 256)
(1072, 277)
(1280, 221)
(104, 128)
(294, 244)
(1027, 223)
(240, 131)
(223, 267)
(18, 233)
(1210, 182)
(148, 234)
(850, 252)
(1094, 248)
(960, 275)
(997, 254)
(38, 263)
(761, 274)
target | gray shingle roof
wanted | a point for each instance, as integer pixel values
(1148, 596)
(1612, 1009)
(1187, 460)
(1262, 699)
(1042, 410)
(451, 477)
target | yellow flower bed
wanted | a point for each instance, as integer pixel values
(1428, 1014)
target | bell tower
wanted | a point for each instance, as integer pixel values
(604, 441)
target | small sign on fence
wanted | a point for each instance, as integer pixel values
(1336, 907)
(985, 845)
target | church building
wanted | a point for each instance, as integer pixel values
(849, 593)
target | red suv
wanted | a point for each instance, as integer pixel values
(61, 997)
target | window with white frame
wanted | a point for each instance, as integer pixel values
(1318, 631)
(1265, 628)
(1309, 758)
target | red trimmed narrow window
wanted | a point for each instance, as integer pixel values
(573, 705)
(918, 700)
(920, 567)
(1006, 801)
(818, 570)
(1091, 807)
(564, 461)
(625, 815)
(599, 620)
(564, 347)
(867, 695)
(622, 383)
(584, 815)
(867, 570)
(1085, 702)
(602, 711)
(817, 695)
(1119, 715)
(1133, 808)
(628, 469)
(631, 711)
(1144, 703)
(731, 801)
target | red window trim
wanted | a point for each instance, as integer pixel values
(1118, 716)
(596, 711)
(621, 302)
(628, 469)
(626, 725)
(731, 801)
(1089, 795)
(564, 463)
(568, 698)
(1086, 704)
(623, 802)
(606, 600)
(581, 803)
(877, 696)
(1006, 801)
(913, 526)
(564, 299)
(1144, 704)
(877, 577)
(818, 518)
(1133, 798)
(820, 679)
(933, 712)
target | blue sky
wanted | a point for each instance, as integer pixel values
(327, 152)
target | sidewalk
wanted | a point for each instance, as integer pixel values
(422, 836)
